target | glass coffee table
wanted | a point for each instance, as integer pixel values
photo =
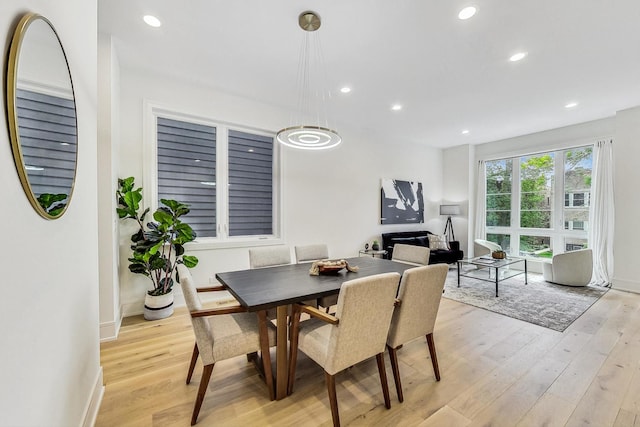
(487, 266)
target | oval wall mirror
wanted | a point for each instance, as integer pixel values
(41, 113)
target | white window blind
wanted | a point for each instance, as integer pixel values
(187, 170)
(250, 184)
(48, 140)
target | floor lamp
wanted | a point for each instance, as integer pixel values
(449, 210)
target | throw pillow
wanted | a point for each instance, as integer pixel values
(438, 242)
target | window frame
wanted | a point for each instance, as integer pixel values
(150, 178)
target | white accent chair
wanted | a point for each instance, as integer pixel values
(355, 333)
(571, 268)
(415, 314)
(223, 333)
(411, 254)
(484, 247)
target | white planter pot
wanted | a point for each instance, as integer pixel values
(158, 307)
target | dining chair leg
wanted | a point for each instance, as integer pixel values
(293, 348)
(333, 399)
(393, 355)
(202, 390)
(266, 353)
(383, 380)
(194, 359)
(434, 358)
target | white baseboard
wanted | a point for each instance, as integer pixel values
(132, 308)
(93, 406)
(136, 308)
(109, 330)
(626, 285)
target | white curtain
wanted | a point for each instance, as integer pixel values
(602, 213)
(481, 202)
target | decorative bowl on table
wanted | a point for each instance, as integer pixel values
(329, 267)
(498, 254)
(326, 266)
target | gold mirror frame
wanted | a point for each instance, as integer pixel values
(12, 114)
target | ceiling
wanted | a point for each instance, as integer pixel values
(449, 74)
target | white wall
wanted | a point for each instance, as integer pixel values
(626, 152)
(108, 148)
(569, 136)
(331, 196)
(49, 362)
(457, 188)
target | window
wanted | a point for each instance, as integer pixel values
(574, 244)
(226, 175)
(536, 246)
(499, 193)
(522, 214)
(250, 184)
(577, 188)
(187, 170)
(536, 191)
(504, 240)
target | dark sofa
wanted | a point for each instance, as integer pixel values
(420, 238)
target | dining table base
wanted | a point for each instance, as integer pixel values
(282, 371)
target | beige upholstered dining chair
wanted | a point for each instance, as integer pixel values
(316, 252)
(411, 254)
(223, 333)
(269, 256)
(310, 253)
(355, 333)
(415, 313)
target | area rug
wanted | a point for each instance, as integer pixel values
(541, 303)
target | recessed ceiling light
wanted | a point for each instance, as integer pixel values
(518, 56)
(345, 89)
(571, 105)
(465, 132)
(152, 21)
(250, 150)
(467, 12)
(396, 107)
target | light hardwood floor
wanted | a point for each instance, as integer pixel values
(496, 371)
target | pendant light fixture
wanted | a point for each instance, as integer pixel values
(317, 135)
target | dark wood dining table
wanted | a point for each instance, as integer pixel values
(278, 287)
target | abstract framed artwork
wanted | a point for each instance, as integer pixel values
(401, 202)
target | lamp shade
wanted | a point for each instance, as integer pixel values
(449, 209)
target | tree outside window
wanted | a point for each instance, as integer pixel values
(536, 191)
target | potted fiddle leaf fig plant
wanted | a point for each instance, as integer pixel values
(158, 246)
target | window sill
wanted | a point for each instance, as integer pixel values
(206, 244)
